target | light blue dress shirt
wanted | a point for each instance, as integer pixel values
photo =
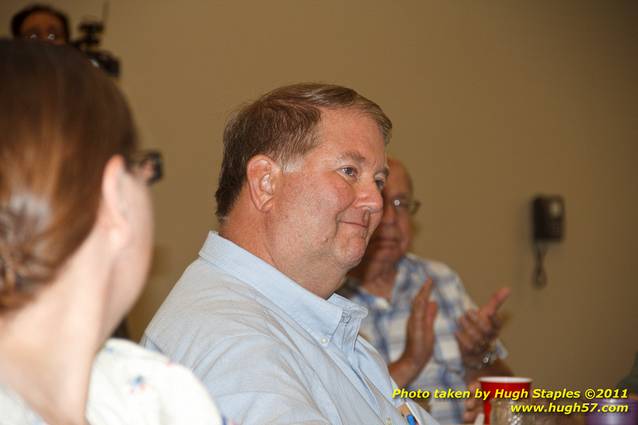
(270, 351)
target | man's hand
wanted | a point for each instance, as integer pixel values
(419, 338)
(420, 330)
(473, 406)
(478, 329)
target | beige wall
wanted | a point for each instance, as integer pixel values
(492, 102)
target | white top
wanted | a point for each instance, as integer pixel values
(132, 386)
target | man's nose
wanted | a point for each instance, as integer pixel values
(371, 198)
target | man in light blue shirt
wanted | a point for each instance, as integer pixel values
(255, 316)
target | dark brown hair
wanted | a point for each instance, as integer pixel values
(281, 124)
(62, 119)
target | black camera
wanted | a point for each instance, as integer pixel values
(89, 44)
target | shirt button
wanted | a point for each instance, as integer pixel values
(324, 341)
(388, 421)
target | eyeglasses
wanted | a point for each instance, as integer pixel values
(44, 36)
(49, 35)
(405, 205)
(148, 164)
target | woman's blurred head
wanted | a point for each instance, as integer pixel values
(62, 124)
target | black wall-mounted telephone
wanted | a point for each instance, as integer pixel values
(548, 218)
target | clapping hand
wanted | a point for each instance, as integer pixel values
(479, 328)
(419, 342)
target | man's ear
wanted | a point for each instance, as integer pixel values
(113, 211)
(262, 175)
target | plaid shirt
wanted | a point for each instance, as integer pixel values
(385, 328)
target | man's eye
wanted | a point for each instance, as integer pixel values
(380, 183)
(349, 171)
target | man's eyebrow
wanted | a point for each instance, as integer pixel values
(352, 156)
(359, 160)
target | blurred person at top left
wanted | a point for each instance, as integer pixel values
(41, 22)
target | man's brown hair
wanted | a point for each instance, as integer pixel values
(281, 124)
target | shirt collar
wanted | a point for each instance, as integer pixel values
(317, 316)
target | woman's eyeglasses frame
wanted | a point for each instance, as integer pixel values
(148, 164)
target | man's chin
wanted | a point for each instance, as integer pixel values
(353, 256)
(384, 243)
(382, 247)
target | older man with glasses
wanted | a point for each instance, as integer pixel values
(420, 318)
